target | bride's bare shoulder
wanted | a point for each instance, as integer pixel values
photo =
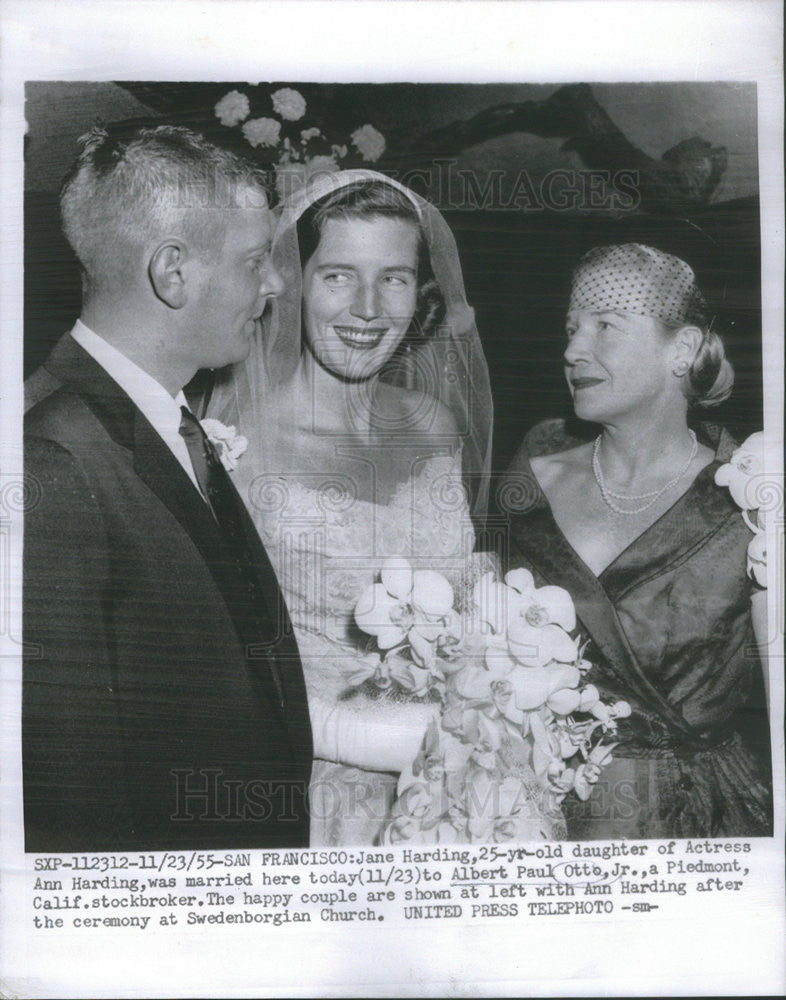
(416, 412)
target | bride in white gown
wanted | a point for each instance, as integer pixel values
(367, 408)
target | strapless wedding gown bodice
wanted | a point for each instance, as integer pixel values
(327, 545)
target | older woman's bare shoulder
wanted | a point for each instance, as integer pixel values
(562, 466)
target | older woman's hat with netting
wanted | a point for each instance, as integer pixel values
(640, 280)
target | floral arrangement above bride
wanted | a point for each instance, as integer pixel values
(520, 727)
(296, 149)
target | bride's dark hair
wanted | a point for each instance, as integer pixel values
(370, 199)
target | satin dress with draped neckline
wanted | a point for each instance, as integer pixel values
(671, 633)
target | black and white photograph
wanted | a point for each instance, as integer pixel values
(358, 339)
(394, 521)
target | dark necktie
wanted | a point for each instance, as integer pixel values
(217, 489)
(210, 473)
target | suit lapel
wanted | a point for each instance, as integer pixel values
(153, 462)
(158, 468)
(71, 366)
(279, 651)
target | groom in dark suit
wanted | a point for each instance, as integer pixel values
(163, 700)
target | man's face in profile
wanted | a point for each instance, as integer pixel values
(234, 282)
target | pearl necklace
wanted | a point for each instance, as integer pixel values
(609, 496)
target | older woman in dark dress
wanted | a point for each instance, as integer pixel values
(653, 553)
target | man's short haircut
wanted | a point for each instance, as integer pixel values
(129, 187)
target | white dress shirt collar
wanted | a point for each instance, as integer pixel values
(157, 405)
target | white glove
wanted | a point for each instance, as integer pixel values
(375, 735)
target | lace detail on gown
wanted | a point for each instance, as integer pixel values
(327, 546)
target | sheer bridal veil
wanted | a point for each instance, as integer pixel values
(447, 365)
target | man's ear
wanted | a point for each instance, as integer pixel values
(687, 341)
(167, 274)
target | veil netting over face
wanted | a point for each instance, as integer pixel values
(446, 365)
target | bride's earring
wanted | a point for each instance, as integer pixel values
(680, 369)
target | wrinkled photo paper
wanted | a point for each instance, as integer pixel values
(406, 413)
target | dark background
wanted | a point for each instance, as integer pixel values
(516, 262)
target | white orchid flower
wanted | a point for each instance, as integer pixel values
(757, 558)
(495, 604)
(404, 600)
(533, 686)
(499, 811)
(382, 615)
(535, 646)
(608, 714)
(369, 667)
(546, 747)
(492, 685)
(515, 689)
(585, 777)
(587, 774)
(746, 463)
(542, 605)
(564, 701)
(412, 677)
(431, 594)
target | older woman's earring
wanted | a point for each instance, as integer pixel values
(680, 369)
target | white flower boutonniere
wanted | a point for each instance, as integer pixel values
(228, 443)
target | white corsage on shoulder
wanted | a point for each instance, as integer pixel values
(744, 476)
(228, 443)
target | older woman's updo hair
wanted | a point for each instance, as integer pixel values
(640, 280)
(710, 378)
(373, 199)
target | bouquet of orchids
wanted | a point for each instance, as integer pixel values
(743, 474)
(511, 683)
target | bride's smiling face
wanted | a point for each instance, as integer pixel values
(360, 293)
